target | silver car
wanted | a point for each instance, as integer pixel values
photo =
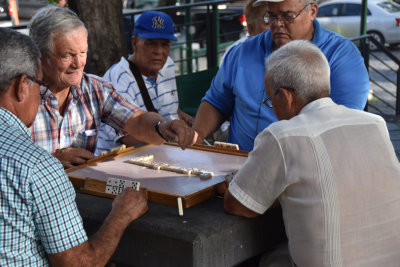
(343, 17)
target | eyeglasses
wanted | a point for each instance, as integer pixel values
(288, 19)
(44, 87)
(267, 101)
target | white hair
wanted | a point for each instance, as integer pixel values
(301, 66)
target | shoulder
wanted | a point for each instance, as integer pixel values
(169, 67)
(19, 147)
(91, 81)
(113, 73)
(332, 44)
(251, 47)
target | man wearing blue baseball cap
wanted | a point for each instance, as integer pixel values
(147, 77)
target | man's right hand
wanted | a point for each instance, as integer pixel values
(126, 207)
(129, 205)
(73, 156)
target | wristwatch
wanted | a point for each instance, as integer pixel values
(157, 128)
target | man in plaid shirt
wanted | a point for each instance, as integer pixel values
(39, 220)
(72, 110)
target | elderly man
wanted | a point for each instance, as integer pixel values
(68, 120)
(238, 91)
(39, 220)
(255, 22)
(333, 169)
(146, 78)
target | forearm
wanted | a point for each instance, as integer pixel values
(104, 242)
(97, 251)
(141, 127)
(207, 120)
(233, 206)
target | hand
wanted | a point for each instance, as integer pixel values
(179, 132)
(73, 156)
(221, 188)
(185, 117)
(129, 205)
(200, 139)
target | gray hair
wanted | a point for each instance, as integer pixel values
(306, 2)
(18, 55)
(301, 66)
(51, 20)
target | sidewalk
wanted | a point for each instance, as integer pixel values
(393, 124)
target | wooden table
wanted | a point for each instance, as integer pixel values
(204, 236)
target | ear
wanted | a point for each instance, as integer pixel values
(313, 10)
(134, 41)
(250, 29)
(21, 89)
(290, 100)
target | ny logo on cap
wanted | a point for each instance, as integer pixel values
(158, 23)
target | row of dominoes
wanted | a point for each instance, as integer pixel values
(115, 185)
(164, 166)
(226, 145)
(114, 149)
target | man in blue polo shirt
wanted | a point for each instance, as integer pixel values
(238, 92)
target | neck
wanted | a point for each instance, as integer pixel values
(62, 97)
(142, 69)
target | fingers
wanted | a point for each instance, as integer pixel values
(130, 204)
(75, 161)
(80, 153)
(73, 156)
(181, 133)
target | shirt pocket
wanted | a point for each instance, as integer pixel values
(85, 139)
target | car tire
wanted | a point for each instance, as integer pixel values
(379, 37)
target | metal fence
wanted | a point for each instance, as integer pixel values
(201, 43)
(205, 29)
(384, 76)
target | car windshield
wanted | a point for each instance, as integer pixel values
(390, 7)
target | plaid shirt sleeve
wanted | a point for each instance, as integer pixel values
(59, 224)
(116, 110)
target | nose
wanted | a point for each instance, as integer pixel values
(277, 20)
(78, 61)
(158, 49)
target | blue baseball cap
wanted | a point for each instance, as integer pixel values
(154, 25)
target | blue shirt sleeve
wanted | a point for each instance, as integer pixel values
(349, 77)
(220, 94)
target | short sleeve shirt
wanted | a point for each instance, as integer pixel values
(337, 177)
(238, 89)
(162, 91)
(38, 214)
(92, 102)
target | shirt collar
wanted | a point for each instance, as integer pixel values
(317, 104)
(8, 118)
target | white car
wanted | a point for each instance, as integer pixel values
(343, 17)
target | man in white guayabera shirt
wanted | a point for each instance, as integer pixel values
(333, 170)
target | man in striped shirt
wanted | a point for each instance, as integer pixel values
(153, 35)
(77, 103)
